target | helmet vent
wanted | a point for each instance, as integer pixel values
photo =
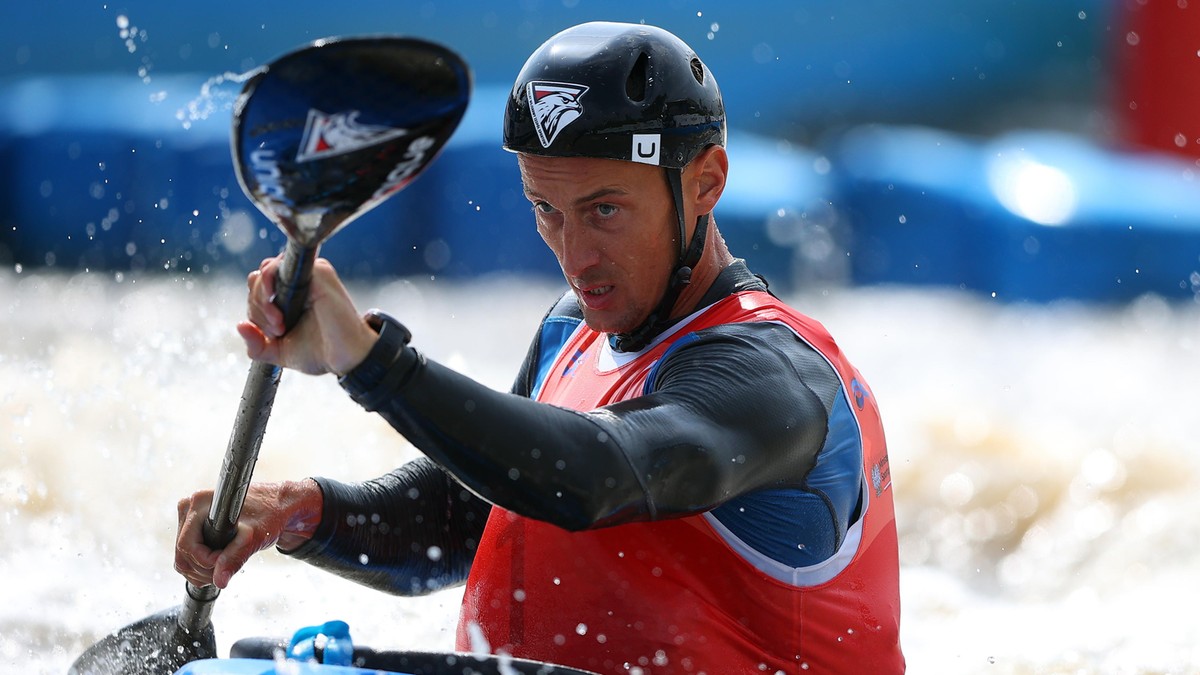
(698, 70)
(635, 84)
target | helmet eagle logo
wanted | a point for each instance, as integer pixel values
(554, 105)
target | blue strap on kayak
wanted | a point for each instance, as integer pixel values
(328, 643)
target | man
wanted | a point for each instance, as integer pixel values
(688, 476)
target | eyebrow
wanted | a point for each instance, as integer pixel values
(602, 192)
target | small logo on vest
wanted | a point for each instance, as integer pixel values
(573, 363)
(859, 392)
(554, 105)
(329, 134)
(881, 476)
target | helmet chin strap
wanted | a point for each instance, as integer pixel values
(681, 275)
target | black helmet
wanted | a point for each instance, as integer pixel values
(628, 92)
(615, 91)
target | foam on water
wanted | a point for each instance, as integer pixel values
(1043, 458)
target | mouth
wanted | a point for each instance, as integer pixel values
(595, 297)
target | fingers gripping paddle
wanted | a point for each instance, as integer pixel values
(320, 136)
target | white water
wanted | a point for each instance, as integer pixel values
(1044, 460)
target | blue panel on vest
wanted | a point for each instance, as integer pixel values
(556, 330)
(803, 527)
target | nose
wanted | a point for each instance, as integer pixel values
(579, 251)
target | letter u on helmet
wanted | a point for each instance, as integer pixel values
(615, 91)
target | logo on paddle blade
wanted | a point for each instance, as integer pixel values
(329, 134)
(554, 105)
(414, 157)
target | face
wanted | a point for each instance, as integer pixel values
(611, 225)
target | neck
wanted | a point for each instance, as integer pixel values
(715, 258)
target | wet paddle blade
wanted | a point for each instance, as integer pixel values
(327, 132)
(153, 646)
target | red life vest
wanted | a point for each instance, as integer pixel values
(675, 596)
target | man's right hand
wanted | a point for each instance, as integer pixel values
(284, 514)
(331, 336)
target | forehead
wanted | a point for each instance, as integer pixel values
(543, 175)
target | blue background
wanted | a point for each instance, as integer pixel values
(870, 142)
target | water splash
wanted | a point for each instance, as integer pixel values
(478, 641)
(133, 36)
(216, 94)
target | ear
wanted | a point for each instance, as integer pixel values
(709, 171)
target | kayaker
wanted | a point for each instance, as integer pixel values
(687, 476)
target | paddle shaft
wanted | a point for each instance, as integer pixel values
(258, 395)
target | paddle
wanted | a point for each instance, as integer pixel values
(320, 136)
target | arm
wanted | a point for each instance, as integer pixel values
(734, 410)
(409, 532)
(416, 526)
(696, 441)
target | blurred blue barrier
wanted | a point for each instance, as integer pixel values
(1025, 216)
(104, 178)
(101, 174)
(777, 212)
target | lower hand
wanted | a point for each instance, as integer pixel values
(284, 514)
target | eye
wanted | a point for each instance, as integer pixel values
(606, 210)
(543, 207)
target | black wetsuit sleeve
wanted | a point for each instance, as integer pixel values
(410, 532)
(734, 409)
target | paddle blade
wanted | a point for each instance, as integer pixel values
(325, 133)
(157, 644)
